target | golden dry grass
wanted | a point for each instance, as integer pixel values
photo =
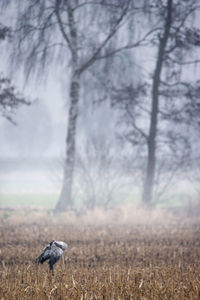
(103, 261)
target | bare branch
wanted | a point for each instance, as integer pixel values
(60, 23)
(141, 42)
(143, 134)
(110, 35)
(183, 63)
(10, 99)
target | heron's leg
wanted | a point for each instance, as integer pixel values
(51, 263)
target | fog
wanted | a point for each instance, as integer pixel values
(113, 125)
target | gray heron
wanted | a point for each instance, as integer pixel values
(52, 252)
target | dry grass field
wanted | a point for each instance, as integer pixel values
(108, 260)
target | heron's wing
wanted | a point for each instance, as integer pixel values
(48, 246)
(56, 251)
(46, 254)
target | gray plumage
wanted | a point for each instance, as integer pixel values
(52, 252)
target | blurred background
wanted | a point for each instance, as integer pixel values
(100, 104)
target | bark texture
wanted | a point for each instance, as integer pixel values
(65, 200)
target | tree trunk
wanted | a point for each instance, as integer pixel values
(65, 200)
(151, 158)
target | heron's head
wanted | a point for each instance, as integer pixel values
(51, 243)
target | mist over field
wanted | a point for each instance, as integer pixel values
(112, 120)
(100, 139)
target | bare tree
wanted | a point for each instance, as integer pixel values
(174, 42)
(174, 39)
(59, 31)
(78, 68)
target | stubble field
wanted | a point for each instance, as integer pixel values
(108, 260)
